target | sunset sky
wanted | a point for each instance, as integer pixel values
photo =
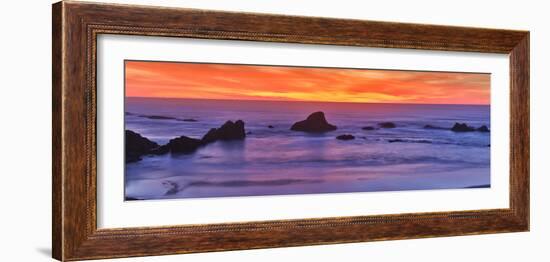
(245, 82)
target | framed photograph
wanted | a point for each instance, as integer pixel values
(181, 130)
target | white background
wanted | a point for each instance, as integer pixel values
(114, 212)
(25, 108)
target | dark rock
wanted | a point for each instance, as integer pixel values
(161, 150)
(211, 136)
(368, 128)
(483, 129)
(421, 141)
(159, 117)
(480, 186)
(132, 198)
(128, 113)
(228, 131)
(462, 127)
(270, 126)
(183, 145)
(132, 157)
(345, 137)
(136, 146)
(249, 132)
(434, 127)
(315, 123)
(156, 117)
(386, 125)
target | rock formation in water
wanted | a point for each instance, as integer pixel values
(157, 117)
(160, 117)
(386, 125)
(345, 137)
(183, 145)
(483, 128)
(315, 123)
(398, 140)
(368, 128)
(462, 127)
(137, 146)
(228, 131)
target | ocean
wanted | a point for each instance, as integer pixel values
(278, 161)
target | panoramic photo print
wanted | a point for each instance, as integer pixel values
(196, 130)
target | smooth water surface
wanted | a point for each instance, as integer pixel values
(276, 161)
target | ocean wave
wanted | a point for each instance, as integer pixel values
(175, 187)
(436, 142)
(363, 160)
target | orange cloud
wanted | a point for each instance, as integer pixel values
(252, 82)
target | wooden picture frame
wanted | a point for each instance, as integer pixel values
(76, 26)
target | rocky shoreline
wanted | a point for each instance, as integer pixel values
(138, 146)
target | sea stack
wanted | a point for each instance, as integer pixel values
(136, 146)
(315, 123)
(186, 145)
(483, 128)
(183, 145)
(228, 131)
(462, 127)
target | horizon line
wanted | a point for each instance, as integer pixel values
(306, 101)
